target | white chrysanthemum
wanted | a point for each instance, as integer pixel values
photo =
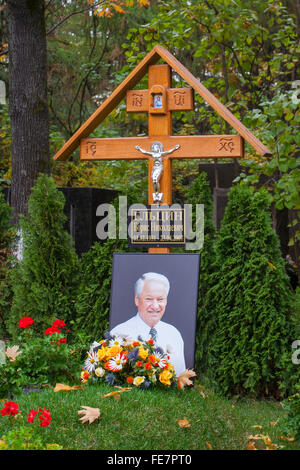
(118, 341)
(116, 363)
(161, 361)
(91, 361)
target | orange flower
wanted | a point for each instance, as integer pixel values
(139, 364)
(148, 366)
(114, 351)
(150, 341)
(129, 380)
(84, 375)
(135, 343)
(152, 359)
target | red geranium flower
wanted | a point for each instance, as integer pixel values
(61, 340)
(148, 366)
(31, 415)
(129, 380)
(25, 322)
(10, 408)
(51, 330)
(45, 417)
(59, 324)
(150, 341)
(139, 364)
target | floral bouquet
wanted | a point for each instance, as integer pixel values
(121, 360)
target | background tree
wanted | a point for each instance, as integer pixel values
(27, 98)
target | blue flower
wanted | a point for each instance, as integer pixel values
(145, 384)
(158, 351)
(132, 356)
(110, 379)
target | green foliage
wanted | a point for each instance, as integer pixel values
(44, 282)
(247, 334)
(42, 359)
(199, 193)
(25, 438)
(93, 299)
(6, 237)
(292, 405)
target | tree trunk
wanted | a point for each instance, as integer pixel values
(27, 98)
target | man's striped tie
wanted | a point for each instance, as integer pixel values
(153, 334)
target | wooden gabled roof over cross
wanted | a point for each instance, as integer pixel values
(160, 122)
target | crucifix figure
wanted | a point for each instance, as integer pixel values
(156, 151)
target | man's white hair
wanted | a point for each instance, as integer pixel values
(139, 285)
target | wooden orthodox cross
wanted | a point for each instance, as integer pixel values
(159, 100)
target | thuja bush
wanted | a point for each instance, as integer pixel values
(248, 331)
(93, 298)
(6, 240)
(199, 192)
(44, 282)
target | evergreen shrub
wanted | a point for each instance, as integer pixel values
(248, 331)
(199, 192)
(45, 281)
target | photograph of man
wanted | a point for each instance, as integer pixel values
(150, 297)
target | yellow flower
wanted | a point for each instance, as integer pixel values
(143, 353)
(138, 381)
(103, 354)
(114, 351)
(170, 367)
(164, 377)
(99, 372)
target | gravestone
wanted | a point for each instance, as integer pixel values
(80, 210)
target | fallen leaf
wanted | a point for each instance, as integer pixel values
(288, 439)
(184, 378)
(12, 353)
(63, 387)
(116, 394)
(209, 445)
(202, 394)
(254, 438)
(256, 426)
(183, 423)
(265, 438)
(89, 414)
(273, 423)
(251, 445)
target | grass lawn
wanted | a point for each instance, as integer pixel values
(143, 419)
